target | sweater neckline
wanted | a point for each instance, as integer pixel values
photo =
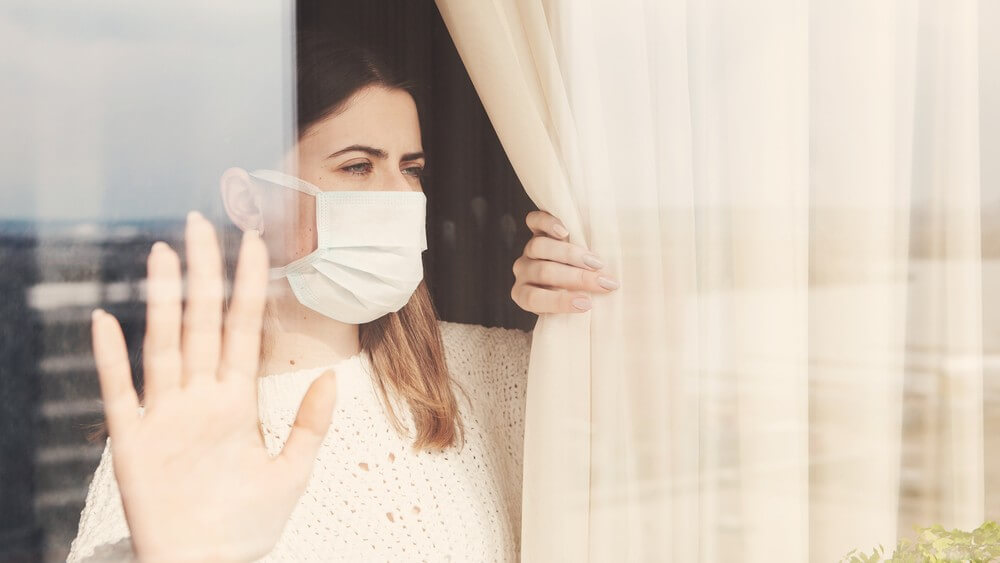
(344, 365)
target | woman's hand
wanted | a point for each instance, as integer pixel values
(555, 276)
(195, 477)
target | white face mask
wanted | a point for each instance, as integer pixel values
(367, 259)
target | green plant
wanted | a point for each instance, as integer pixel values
(937, 545)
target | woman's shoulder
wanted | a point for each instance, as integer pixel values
(477, 340)
(477, 348)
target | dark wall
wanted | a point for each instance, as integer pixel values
(476, 205)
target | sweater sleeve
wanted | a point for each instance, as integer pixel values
(103, 534)
(491, 364)
(505, 378)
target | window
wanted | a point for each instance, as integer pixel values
(120, 119)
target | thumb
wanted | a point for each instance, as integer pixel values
(312, 422)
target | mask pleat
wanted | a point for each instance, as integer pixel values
(368, 261)
(366, 285)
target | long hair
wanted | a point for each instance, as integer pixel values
(405, 347)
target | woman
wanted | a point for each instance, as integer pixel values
(237, 452)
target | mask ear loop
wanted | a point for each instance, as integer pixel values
(282, 179)
(285, 181)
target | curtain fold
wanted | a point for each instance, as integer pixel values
(509, 66)
(861, 114)
(790, 194)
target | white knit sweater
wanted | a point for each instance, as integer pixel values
(370, 497)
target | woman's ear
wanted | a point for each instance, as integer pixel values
(242, 199)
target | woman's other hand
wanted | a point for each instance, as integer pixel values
(195, 477)
(556, 276)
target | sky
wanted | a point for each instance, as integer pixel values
(118, 110)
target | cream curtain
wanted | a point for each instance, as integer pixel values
(791, 194)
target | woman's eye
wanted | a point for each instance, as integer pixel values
(415, 171)
(359, 169)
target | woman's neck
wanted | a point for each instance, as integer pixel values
(300, 338)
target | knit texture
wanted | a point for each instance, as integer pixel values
(370, 496)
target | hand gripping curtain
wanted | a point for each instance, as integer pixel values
(789, 192)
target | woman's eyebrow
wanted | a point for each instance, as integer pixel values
(377, 153)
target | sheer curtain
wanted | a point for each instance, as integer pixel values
(791, 194)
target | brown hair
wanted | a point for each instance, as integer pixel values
(405, 347)
(408, 362)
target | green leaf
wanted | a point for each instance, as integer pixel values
(935, 544)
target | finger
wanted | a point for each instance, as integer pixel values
(241, 344)
(554, 275)
(121, 404)
(540, 300)
(203, 316)
(545, 248)
(543, 223)
(311, 424)
(161, 347)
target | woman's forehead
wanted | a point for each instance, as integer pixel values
(372, 117)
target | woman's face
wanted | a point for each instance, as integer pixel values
(373, 143)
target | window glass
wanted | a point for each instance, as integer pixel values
(118, 120)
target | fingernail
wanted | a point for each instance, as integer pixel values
(194, 216)
(560, 230)
(607, 283)
(159, 246)
(581, 303)
(96, 314)
(593, 261)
